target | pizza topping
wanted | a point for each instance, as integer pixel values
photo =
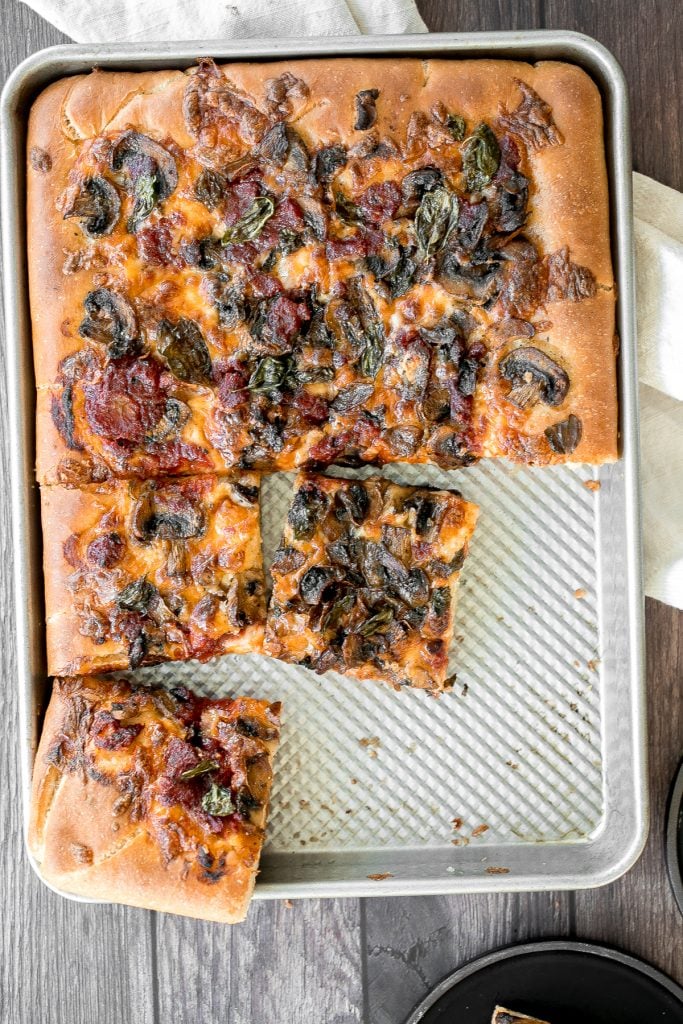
(480, 157)
(287, 560)
(96, 204)
(174, 417)
(109, 734)
(565, 437)
(150, 171)
(183, 348)
(155, 244)
(417, 183)
(380, 202)
(285, 94)
(307, 509)
(327, 162)
(283, 146)
(137, 596)
(534, 377)
(252, 223)
(218, 801)
(477, 283)
(200, 768)
(166, 513)
(62, 412)
(128, 402)
(436, 217)
(567, 280)
(366, 111)
(106, 551)
(532, 120)
(111, 321)
(210, 188)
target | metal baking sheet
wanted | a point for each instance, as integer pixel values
(530, 774)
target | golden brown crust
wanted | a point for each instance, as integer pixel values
(111, 817)
(365, 579)
(568, 204)
(194, 543)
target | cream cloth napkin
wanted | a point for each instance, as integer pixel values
(658, 224)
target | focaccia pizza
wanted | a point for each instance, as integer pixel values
(364, 581)
(277, 265)
(152, 798)
(144, 571)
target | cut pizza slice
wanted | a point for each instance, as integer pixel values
(152, 798)
(364, 581)
(503, 1016)
(138, 572)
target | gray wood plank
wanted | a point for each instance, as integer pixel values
(413, 942)
(298, 963)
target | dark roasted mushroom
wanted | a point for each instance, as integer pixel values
(166, 514)
(97, 205)
(283, 145)
(176, 414)
(210, 188)
(415, 184)
(475, 282)
(314, 581)
(534, 377)
(307, 509)
(366, 111)
(183, 348)
(151, 171)
(327, 162)
(110, 320)
(564, 437)
(353, 502)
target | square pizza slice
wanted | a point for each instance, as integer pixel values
(364, 581)
(138, 572)
(153, 798)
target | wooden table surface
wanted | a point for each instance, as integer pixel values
(342, 961)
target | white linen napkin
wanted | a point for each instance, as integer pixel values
(658, 223)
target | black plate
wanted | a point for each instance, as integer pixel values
(561, 982)
(674, 838)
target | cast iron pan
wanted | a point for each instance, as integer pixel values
(674, 839)
(562, 982)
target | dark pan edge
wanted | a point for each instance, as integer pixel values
(674, 819)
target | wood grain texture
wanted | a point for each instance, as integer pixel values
(342, 961)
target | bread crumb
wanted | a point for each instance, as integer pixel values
(513, 765)
(592, 665)
(479, 830)
(580, 594)
(371, 743)
(460, 841)
(380, 877)
(288, 904)
(456, 823)
(497, 871)
(592, 485)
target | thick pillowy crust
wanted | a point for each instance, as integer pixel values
(112, 817)
(365, 579)
(139, 572)
(321, 331)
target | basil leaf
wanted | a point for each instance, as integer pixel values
(480, 157)
(252, 223)
(199, 769)
(268, 376)
(146, 195)
(436, 217)
(456, 126)
(347, 210)
(218, 801)
(377, 622)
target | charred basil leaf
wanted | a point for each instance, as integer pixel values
(377, 622)
(480, 157)
(564, 437)
(307, 509)
(210, 187)
(218, 801)
(332, 619)
(199, 769)
(327, 162)
(347, 210)
(366, 111)
(97, 205)
(436, 217)
(273, 373)
(183, 348)
(456, 126)
(111, 321)
(252, 223)
(398, 273)
(373, 329)
(137, 596)
(351, 397)
(231, 306)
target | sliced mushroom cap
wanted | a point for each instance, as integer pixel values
(151, 169)
(97, 205)
(565, 437)
(366, 112)
(416, 183)
(534, 377)
(166, 514)
(475, 282)
(327, 161)
(110, 320)
(176, 415)
(283, 145)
